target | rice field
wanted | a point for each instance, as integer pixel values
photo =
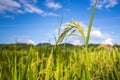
(64, 63)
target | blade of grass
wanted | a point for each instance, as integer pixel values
(90, 25)
(15, 68)
(15, 61)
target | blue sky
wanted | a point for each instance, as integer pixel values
(36, 21)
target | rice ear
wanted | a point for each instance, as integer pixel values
(78, 27)
(63, 34)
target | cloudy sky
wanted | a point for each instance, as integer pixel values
(35, 21)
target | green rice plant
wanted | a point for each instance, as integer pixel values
(25, 69)
(49, 67)
(74, 26)
(69, 64)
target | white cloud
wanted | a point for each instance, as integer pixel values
(24, 6)
(50, 14)
(53, 5)
(108, 41)
(105, 3)
(98, 36)
(9, 5)
(112, 3)
(76, 42)
(30, 8)
(96, 33)
(30, 42)
(20, 6)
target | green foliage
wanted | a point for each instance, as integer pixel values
(69, 63)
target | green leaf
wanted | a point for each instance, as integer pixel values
(90, 24)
